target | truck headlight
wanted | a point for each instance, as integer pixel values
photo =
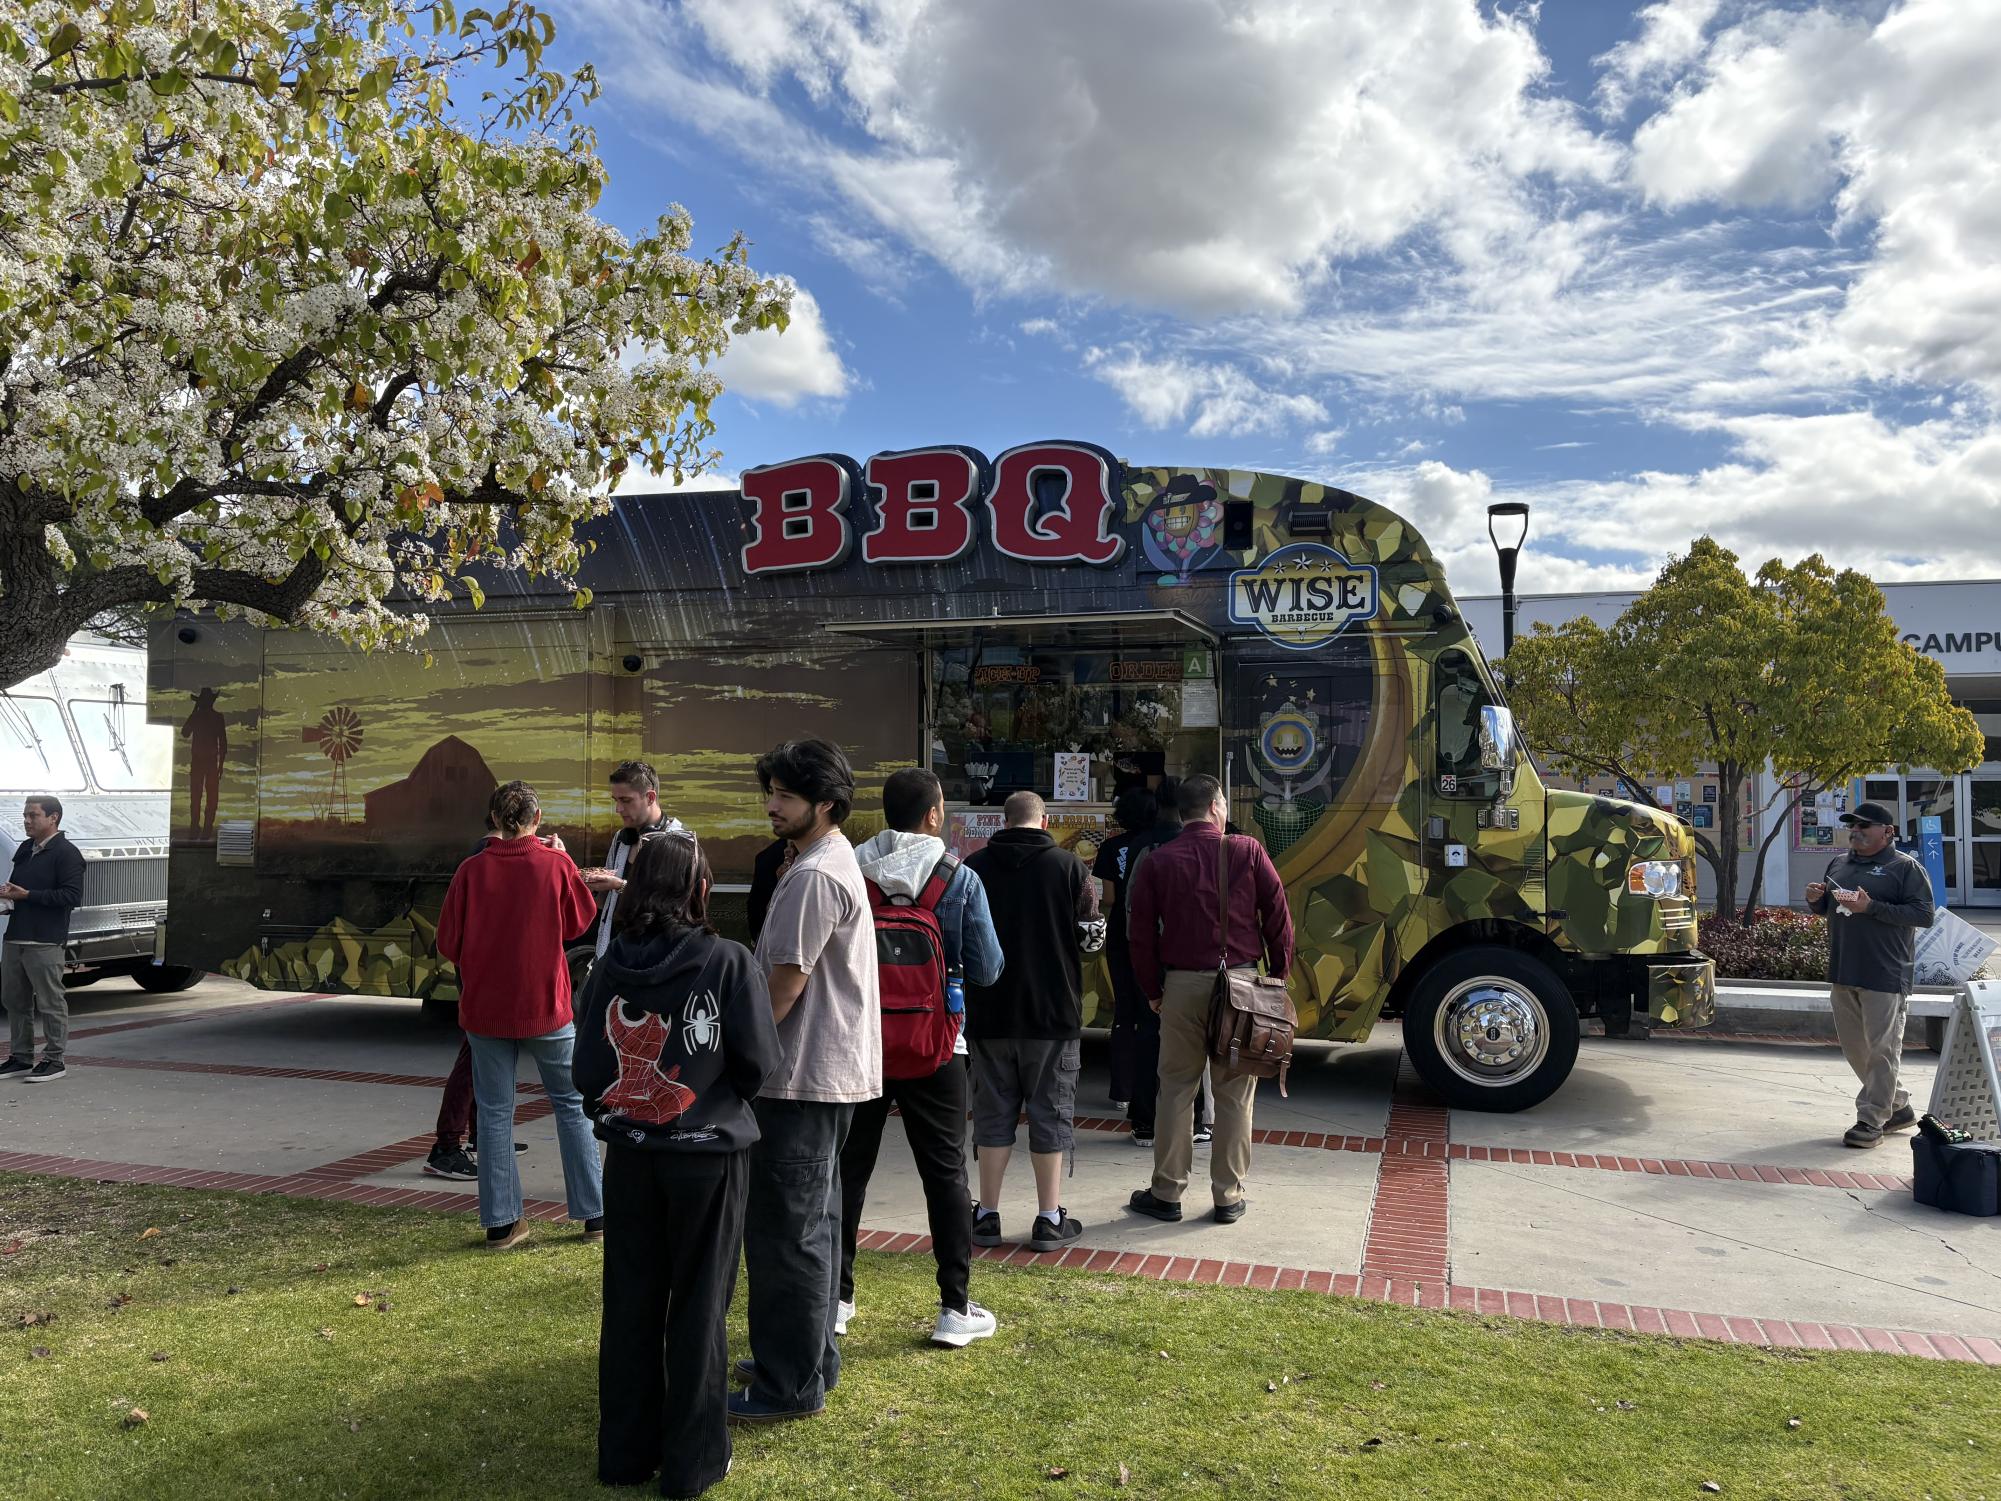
(1655, 878)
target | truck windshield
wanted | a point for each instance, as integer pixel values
(126, 754)
(35, 750)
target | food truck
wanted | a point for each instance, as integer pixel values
(1050, 618)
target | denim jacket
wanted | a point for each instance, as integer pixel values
(901, 863)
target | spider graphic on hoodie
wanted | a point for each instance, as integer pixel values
(644, 1091)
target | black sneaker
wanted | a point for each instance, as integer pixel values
(1048, 1237)
(1901, 1120)
(457, 1163)
(1144, 1202)
(1229, 1214)
(1143, 1139)
(1861, 1134)
(1202, 1135)
(46, 1072)
(15, 1066)
(471, 1149)
(986, 1227)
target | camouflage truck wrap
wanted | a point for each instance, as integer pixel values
(1358, 729)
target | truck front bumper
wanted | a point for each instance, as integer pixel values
(1682, 994)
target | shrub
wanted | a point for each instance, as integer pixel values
(1779, 943)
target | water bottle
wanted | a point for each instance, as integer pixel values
(955, 993)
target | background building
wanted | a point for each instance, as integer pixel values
(1958, 624)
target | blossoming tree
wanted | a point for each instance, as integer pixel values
(293, 320)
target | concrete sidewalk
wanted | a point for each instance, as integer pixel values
(1693, 1188)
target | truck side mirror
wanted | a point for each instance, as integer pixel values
(1499, 747)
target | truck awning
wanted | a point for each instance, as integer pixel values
(1100, 628)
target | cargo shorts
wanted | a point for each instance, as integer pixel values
(1033, 1074)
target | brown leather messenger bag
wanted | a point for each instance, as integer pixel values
(1251, 1017)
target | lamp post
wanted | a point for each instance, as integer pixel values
(1513, 519)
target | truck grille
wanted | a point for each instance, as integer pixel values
(125, 883)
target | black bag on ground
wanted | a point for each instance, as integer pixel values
(1963, 1176)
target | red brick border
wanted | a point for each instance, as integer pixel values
(1409, 1226)
(1971, 1349)
(235, 1008)
(1436, 1146)
(1406, 1138)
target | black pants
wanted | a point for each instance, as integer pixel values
(792, 1251)
(1146, 1078)
(673, 1226)
(934, 1120)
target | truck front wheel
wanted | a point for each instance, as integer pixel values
(1491, 1029)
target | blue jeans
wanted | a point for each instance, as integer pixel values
(494, 1060)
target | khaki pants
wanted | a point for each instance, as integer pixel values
(1184, 1051)
(31, 979)
(1870, 1024)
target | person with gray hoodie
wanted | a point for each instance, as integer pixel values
(899, 863)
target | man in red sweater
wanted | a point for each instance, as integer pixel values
(510, 913)
(1175, 935)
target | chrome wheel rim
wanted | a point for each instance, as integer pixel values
(1491, 1032)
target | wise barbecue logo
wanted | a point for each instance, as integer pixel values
(1303, 595)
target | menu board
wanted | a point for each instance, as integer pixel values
(1072, 777)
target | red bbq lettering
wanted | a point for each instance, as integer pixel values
(798, 517)
(1077, 528)
(923, 505)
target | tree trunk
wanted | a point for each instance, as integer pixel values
(1729, 817)
(30, 599)
(1765, 849)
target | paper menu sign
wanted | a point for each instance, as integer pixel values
(1073, 777)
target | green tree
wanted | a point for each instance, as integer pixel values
(1800, 667)
(287, 324)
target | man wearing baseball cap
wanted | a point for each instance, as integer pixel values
(1875, 898)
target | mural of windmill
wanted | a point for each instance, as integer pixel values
(338, 735)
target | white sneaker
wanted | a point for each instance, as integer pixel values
(842, 1313)
(960, 1329)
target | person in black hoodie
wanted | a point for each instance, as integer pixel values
(1023, 1029)
(674, 1040)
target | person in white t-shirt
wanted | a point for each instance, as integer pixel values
(817, 950)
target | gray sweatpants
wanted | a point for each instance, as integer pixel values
(1870, 1024)
(31, 980)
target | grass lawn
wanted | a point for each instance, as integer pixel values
(237, 1331)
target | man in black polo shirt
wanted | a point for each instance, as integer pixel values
(1023, 1029)
(1875, 898)
(45, 887)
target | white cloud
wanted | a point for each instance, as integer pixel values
(1901, 121)
(1194, 154)
(1671, 37)
(785, 368)
(1222, 401)
(1921, 501)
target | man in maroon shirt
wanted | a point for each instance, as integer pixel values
(1175, 934)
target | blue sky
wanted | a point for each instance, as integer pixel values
(1660, 269)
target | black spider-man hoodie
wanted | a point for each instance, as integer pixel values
(674, 1040)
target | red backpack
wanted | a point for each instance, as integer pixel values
(917, 1031)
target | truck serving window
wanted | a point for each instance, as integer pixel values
(1460, 696)
(126, 754)
(35, 750)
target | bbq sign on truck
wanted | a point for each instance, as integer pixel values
(1050, 619)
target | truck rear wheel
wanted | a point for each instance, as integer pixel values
(1491, 1029)
(167, 979)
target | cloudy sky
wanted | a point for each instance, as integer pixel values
(1658, 269)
